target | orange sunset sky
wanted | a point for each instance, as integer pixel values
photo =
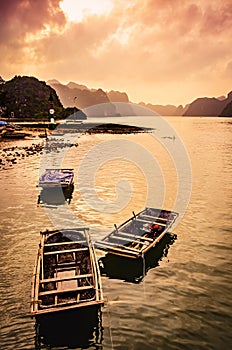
(158, 51)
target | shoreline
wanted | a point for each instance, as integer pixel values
(91, 127)
(12, 150)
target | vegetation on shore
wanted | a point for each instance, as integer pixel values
(27, 98)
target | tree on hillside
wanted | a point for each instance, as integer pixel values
(27, 97)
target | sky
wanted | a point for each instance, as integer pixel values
(157, 51)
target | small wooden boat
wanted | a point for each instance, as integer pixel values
(57, 186)
(134, 270)
(13, 135)
(139, 234)
(66, 273)
(56, 177)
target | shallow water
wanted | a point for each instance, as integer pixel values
(185, 301)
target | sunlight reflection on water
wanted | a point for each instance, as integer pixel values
(185, 301)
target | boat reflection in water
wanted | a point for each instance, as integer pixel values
(76, 329)
(134, 270)
(56, 195)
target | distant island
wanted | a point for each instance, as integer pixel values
(26, 98)
(86, 97)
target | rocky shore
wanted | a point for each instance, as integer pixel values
(111, 128)
(12, 154)
(87, 127)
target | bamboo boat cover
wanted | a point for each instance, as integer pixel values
(56, 176)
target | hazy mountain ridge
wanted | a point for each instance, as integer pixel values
(206, 106)
(81, 96)
(73, 94)
(165, 110)
(77, 96)
(27, 97)
(227, 111)
(95, 102)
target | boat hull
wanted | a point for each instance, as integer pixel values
(66, 273)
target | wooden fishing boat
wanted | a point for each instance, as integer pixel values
(66, 273)
(139, 234)
(135, 270)
(56, 185)
(56, 177)
(13, 135)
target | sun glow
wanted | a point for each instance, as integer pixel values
(76, 10)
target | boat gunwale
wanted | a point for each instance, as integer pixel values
(68, 307)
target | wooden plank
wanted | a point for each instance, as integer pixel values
(66, 304)
(58, 279)
(35, 284)
(42, 255)
(155, 241)
(157, 223)
(70, 306)
(65, 264)
(77, 289)
(64, 243)
(127, 239)
(65, 284)
(66, 251)
(120, 251)
(97, 273)
(153, 217)
(117, 245)
(68, 230)
(140, 237)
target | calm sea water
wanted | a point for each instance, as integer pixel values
(184, 301)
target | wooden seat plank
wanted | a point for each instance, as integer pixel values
(58, 279)
(152, 217)
(135, 236)
(129, 240)
(64, 243)
(157, 223)
(117, 245)
(68, 290)
(119, 250)
(66, 251)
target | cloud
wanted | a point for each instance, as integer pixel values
(22, 20)
(138, 46)
(20, 17)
